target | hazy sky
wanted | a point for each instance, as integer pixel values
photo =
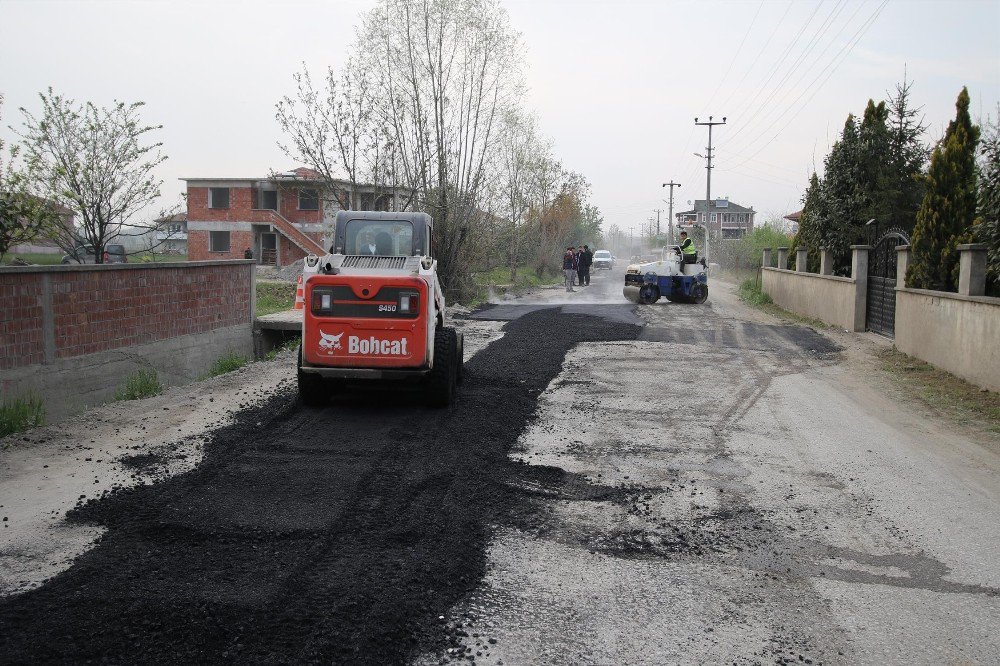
(616, 85)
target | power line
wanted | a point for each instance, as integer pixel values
(811, 45)
(785, 108)
(735, 55)
(815, 88)
(781, 61)
(763, 48)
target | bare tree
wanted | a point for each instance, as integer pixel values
(95, 162)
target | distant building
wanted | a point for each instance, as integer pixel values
(795, 218)
(171, 235)
(733, 220)
(280, 218)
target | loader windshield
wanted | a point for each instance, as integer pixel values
(383, 238)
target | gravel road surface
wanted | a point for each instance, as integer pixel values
(618, 484)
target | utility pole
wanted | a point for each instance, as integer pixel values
(708, 181)
(670, 215)
(658, 211)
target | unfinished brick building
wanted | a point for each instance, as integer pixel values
(279, 218)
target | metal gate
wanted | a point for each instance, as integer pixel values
(880, 316)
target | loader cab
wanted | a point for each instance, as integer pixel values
(383, 234)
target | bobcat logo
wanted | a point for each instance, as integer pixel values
(331, 342)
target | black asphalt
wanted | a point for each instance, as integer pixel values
(333, 535)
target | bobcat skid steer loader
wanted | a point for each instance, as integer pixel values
(374, 311)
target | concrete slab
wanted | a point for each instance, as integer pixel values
(288, 320)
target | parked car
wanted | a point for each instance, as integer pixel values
(84, 254)
(603, 259)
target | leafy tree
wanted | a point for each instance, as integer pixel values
(24, 214)
(95, 162)
(949, 206)
(988, 229)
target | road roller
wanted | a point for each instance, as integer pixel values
(677, 277)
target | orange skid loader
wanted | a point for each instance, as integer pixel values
(374, 310)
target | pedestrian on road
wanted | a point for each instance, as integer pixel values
(586, 259)
(569, 267)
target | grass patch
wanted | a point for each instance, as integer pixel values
(17, 414)
(750, 293)
(155, 258)
(39, 259)
(942, 391)
(228, 363)
(143, 383)
(274, 296)
(289, 345)
(487, 283)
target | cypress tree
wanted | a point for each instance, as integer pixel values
(908, 157)
(810, 233)
(841, 207)
(948, 209)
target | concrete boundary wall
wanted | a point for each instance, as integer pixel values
(960, 334)
(72, 334)
(829, 298)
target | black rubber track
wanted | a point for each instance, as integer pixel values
(334, 535)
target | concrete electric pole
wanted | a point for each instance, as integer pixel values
(670, 215)
(708, 181)
(658, 211)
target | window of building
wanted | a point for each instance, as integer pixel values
(308, 199)
(218, 197)
(714, 215)
(218, 241)
(265, 199)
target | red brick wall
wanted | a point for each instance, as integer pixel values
(101, 308)
(288, 206)
(240, 206)
(21, 332)
(198, 244)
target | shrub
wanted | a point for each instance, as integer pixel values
(17, 414)
(228, 363)
(143, 383)
(751, 293)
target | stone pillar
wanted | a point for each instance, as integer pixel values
(825, 261)
(859, 272)
(903, 255)
(972, 269)
(766, 261)
(801, 259)
(783, 258)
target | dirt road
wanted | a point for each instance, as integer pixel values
(662, 484)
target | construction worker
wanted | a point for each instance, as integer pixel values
(688, 249)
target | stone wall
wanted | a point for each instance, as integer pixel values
(960, 334)
(825, 297)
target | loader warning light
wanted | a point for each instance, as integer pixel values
(326, 301)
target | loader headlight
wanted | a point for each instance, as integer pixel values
(409, 301)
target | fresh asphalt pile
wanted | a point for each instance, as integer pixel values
(339, 534)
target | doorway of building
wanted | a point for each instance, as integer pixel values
(269, 248)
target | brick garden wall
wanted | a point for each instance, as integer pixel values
(60, 312)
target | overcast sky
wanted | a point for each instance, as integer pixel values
(616, 85)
